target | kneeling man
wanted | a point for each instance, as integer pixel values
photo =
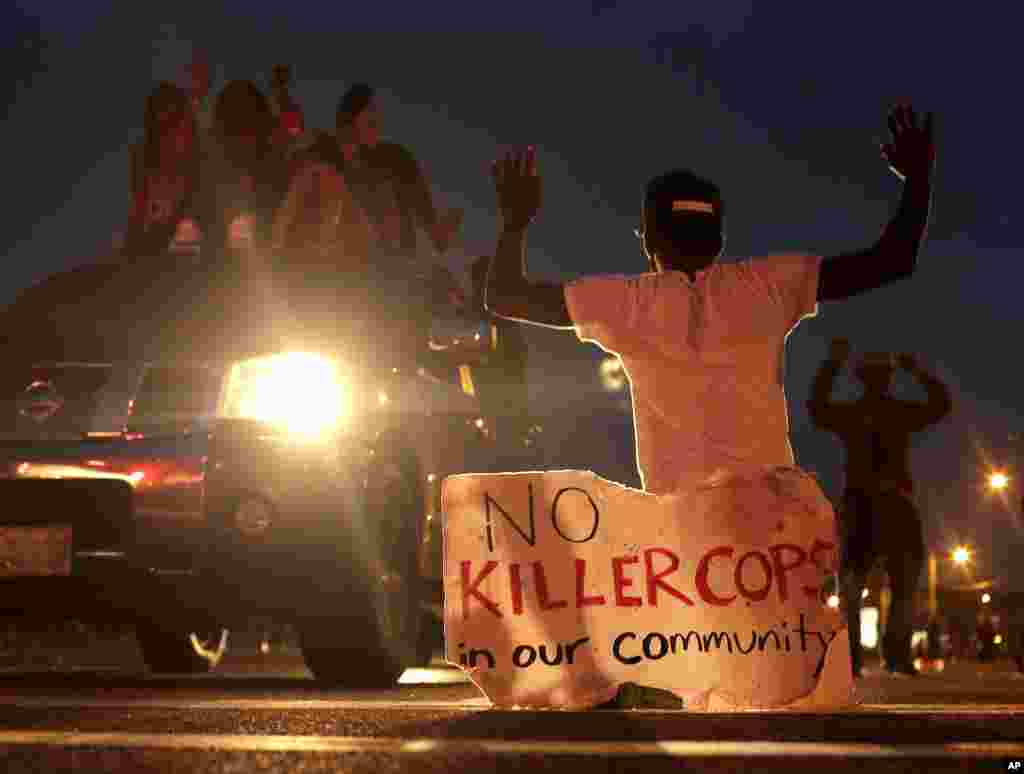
(702, 341)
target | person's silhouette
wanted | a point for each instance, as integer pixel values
(878, 518)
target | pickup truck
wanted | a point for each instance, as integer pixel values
(186, 445)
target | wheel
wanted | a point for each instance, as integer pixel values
(177, 652)
(377, 632)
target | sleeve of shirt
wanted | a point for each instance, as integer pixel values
(602, 309)
(791, 281)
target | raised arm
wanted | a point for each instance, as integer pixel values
(939, 402)
(509, 292)
(911, 157)
(824, 414)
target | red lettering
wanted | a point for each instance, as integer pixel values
(542, 589)
(760, 594)
(516, 583)
(654, 580)
(817, 547)
(622, 582)
(581, 600)
(781, 568)
(701, 578)
(470, 589)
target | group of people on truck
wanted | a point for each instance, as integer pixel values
(240, 173)
(242, 169)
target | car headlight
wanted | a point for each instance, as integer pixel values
(299, 392)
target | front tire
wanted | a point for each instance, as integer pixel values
(379, 634)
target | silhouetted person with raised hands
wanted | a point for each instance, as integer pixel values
(703, 341)
(878, 518)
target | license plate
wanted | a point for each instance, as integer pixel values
(35, 551)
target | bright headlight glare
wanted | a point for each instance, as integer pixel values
(300, 392)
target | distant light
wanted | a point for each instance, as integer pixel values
(918, 664)
(998, 481)
(479, 422)
(264, 647)
(869, 627)
(382, 397)
(864, 594)
(998, 639)
(833, 601)
(961, 555)
(939, 665)
(986, 598)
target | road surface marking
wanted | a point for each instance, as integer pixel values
(348, 744)
(59, 702)
(976, 708)
(473, 704)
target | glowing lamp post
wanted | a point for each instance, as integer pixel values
(960, 555)
(997, 481)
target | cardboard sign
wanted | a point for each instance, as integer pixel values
(560, 585)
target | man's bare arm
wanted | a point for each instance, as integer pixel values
(509, 293)
(939, 403)
(911, 156)
(823, 413)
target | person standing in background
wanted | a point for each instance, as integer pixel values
(879, 520)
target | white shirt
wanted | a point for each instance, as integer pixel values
(704, 360)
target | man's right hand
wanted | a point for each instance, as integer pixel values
(911, 153)
(839, 350)
(518, 187)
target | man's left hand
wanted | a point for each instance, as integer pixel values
(911, 152)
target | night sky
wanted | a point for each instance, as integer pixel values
(783, 106)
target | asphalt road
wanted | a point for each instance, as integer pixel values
(93, 708)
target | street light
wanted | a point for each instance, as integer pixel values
(986, 598)
(998, 481)
(960, 555)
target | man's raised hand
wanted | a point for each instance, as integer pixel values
(911, 149)
(518, 187)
